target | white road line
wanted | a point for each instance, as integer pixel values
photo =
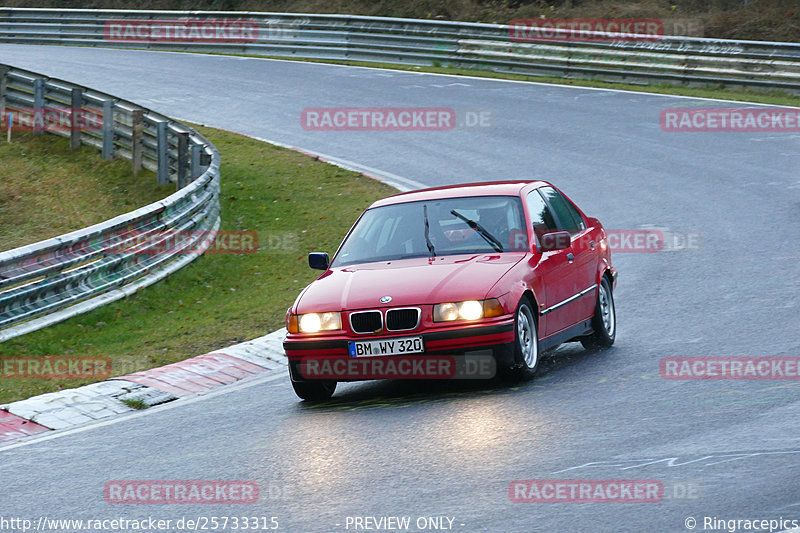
(460, 76)
(398, 182)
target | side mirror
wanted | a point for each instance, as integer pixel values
(556, 240)
(319, 260)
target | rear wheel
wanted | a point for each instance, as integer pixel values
(604, 322)
(526, 343)
(315, 391)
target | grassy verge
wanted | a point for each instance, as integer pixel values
(219, 299)
(295, 203)
(43, 188)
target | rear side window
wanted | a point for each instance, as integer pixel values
(568, 217)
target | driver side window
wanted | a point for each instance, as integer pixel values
(541, 218)
(568, 217)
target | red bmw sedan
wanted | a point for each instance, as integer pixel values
(510, 268)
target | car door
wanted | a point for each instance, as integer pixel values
(576, 289)
(550, 270)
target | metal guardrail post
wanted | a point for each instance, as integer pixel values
(108, 130)
(163, 153)
(3, 89)
(183, 148)
(137, 130)
(75, 111)
(38, 106)
(49, 281)
(196, 171)
(501, 48)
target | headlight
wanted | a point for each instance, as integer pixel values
(315, 322)
(468, 310)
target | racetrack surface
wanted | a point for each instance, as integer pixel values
(451, 449)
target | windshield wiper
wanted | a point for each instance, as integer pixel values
(428, 231)
(488, 237)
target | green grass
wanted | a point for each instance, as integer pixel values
(219, 299)
(135, 404)
(43, 188)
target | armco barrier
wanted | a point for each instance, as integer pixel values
(49, 281)
(668, 59)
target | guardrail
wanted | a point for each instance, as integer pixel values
(49, 281)
(669, 59)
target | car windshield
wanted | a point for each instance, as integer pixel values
(431, 228)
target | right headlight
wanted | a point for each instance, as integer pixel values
(467, 310)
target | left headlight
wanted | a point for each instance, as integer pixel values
(314, 322)
(467, 310)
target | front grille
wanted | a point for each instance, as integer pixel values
(366, 321)
(400, 319)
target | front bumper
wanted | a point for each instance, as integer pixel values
(458, 339)
(463, 340)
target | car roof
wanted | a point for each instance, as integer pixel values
(486, 188)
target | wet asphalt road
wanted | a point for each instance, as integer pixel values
(451, 449)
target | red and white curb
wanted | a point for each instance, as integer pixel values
(13, 427)
(81, 405)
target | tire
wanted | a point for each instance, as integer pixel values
(604, 321)
(315, 391)
(526, 344)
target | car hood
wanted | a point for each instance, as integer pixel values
(408, 282)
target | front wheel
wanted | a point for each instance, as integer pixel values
(315, 391)
(526, 344)
(604, 321)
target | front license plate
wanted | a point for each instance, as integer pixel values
(398, 346)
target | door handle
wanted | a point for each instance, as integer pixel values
(570, 257)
